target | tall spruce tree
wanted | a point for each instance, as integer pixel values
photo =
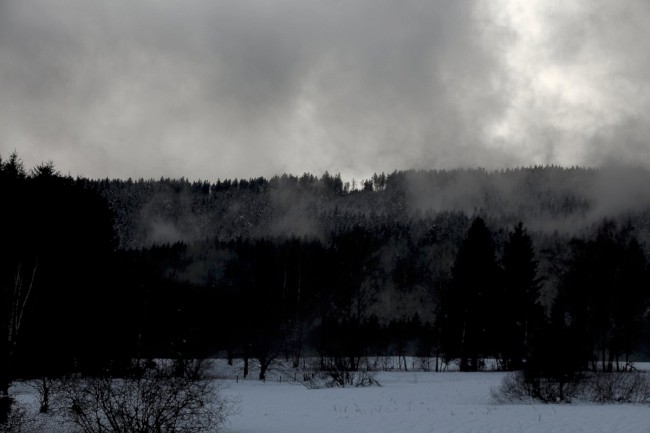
(520, 312)
(470, 324)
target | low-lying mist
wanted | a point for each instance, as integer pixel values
(545, 199)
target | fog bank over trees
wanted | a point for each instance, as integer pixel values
(546, 199)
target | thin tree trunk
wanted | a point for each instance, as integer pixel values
(264, 366)
(245, 365)
(5, 381)
(45, 403)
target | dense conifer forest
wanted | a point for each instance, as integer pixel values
(525, 266)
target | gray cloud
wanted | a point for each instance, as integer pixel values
(229, 88)
(582, 93)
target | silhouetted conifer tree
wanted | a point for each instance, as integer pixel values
(470, 308)
(520, 313)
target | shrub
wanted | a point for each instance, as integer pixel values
(158, 397)
(633, 387)
(627, 387)
(518, 387)
(335, 376)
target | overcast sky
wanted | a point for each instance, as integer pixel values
(240, 88)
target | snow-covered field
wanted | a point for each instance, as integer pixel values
(413, 402)
(417, 403)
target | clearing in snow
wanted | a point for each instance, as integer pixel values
(418, 402)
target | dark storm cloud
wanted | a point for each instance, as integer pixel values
(242, 88)
(238, 88)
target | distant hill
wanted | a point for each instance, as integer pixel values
(547, 199)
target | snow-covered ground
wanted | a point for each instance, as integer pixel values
(417, 403)
(413, 402)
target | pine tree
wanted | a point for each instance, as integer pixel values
(520, 311)
(470, 326)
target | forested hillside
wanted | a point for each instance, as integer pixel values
(546, 199)
(454, 266)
